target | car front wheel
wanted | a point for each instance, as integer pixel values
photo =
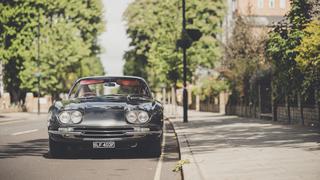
(152, 148)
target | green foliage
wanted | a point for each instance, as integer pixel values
(68, 48)
(60, 53)
(154, 27)
(282, 48)
(245, 58)
(210, 86)
(179, 165)
(135, 64)
(308, 59)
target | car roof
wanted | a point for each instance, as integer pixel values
(106, 77)
(110, 77)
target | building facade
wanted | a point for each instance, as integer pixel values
(262, 8)
(261, 14)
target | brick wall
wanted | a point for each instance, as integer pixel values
(5, 104)
(32, 103)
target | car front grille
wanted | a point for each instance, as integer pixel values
(103, 132)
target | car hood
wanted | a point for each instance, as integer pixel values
(107, 111)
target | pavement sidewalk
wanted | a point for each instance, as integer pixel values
(228, 147)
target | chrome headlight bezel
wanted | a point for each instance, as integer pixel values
(131, 117)
(64, 117)
(137, 117)
(143, 117)
(76, 117)
(70, 117)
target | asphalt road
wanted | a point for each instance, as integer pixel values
(24, 155)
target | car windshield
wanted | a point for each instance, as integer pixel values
(110, 87)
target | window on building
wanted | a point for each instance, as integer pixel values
(271, 3)
(282, 4)
(234, 5)
(260, 3)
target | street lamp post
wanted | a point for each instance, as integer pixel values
(184, 50)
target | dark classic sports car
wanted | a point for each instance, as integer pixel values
(106, 113)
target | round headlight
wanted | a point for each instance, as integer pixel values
(64, 117)
(143, 117)
(76, 117)
(131, 117)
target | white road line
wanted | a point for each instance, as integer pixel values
(159, 165)
(24, 132)
(15, 121)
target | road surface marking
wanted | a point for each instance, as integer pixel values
(24, 132)
(15, 121)
(160, 162)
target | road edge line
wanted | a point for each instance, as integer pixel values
(187, 155)
(178, 143)
(157, 175)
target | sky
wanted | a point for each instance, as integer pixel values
(114, 41)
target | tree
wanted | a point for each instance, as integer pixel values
(282, 51)
(282, 46)
(61, 51)
(154, 38)
(308, 59)
(245, 61)
(68, 41)
(210, 86)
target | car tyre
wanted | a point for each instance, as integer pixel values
(151, 148)
(155, 148)
(56, 149)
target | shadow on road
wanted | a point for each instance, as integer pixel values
(101, 154)
(39, 147)
(209, 133)
(36, 147)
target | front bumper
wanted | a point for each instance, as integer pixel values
(74, 134)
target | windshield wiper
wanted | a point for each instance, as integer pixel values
(113, 96)
(87, 97)
(138, 96)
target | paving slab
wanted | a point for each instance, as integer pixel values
(230, 147)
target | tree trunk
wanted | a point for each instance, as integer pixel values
(288, 109)
(317, 99)
(274, 104)
(259, 101)
(300, 108)
(15, 96)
